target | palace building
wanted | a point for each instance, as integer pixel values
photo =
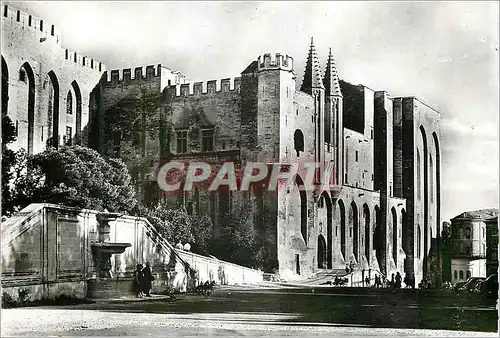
(381, 212)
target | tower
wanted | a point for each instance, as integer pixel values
(333, 117)
(312, 84)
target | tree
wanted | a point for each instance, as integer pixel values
(8, 162)
(237, 241)
(74, 176)
(176, 225)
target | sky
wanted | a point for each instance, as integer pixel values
(444, 53)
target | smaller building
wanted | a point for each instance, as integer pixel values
(474, 236)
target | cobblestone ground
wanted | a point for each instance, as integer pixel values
(240, 311)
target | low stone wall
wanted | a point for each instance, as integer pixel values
(223, 273)
(47, 253)
(34, 292)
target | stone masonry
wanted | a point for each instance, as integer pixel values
(381, 210)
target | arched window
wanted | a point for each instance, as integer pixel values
(455, 274)
(69, 103)
(467, 233)
(461, 274)
(298, 141)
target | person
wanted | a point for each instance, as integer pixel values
(391, 284)
(377, 281)
(138, 278)
(398, 280)
(147, 279)
(347, 268)
(367, 281)
(351, 266)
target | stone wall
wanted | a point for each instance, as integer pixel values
(47, 249)
(41, 76)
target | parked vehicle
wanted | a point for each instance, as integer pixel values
(470, 284)
(490, 286)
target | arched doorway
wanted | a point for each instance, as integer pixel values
(405, 239)
(329, 228)
(378, 240)
(27, 77)
(366, 217)
(322, 254)
(354, 224)
(342, 229)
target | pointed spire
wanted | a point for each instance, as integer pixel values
(331, 80)
(312, 74)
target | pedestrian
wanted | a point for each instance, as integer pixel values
(147, 279)
(391, 284)
(138, 278)
(377, 281)
(367, 281)
(347, 268)
(398, 280)
(351, 266)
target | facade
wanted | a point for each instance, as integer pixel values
(381, 211)
(45, 87)
(474, 236)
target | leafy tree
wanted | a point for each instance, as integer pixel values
(175, 225)
(237, 240)
(74, 176)
(8, 161)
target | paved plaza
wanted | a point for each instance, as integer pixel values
(262, 311)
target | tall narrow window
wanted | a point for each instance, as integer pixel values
(18, 16)
(357, 156)
(41, 25)
(75, 57)
(207, 138)
(29, 21)
(52, 30)
(22, 75)
(431, 172)
(418, 174)
(5, 11)
(419, 241)
(69, 135)
(182, 141)
(69, 104)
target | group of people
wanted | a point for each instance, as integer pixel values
(143, 278)
(349, 267)
(380, 282)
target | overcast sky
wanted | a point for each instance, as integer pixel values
(443, 53)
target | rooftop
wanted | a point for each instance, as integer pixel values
(478, 214)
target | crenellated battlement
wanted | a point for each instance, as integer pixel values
(126, 75)
(276, 61)
(84, 61)
(41, 28)
(207, 88)
(44, 32)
